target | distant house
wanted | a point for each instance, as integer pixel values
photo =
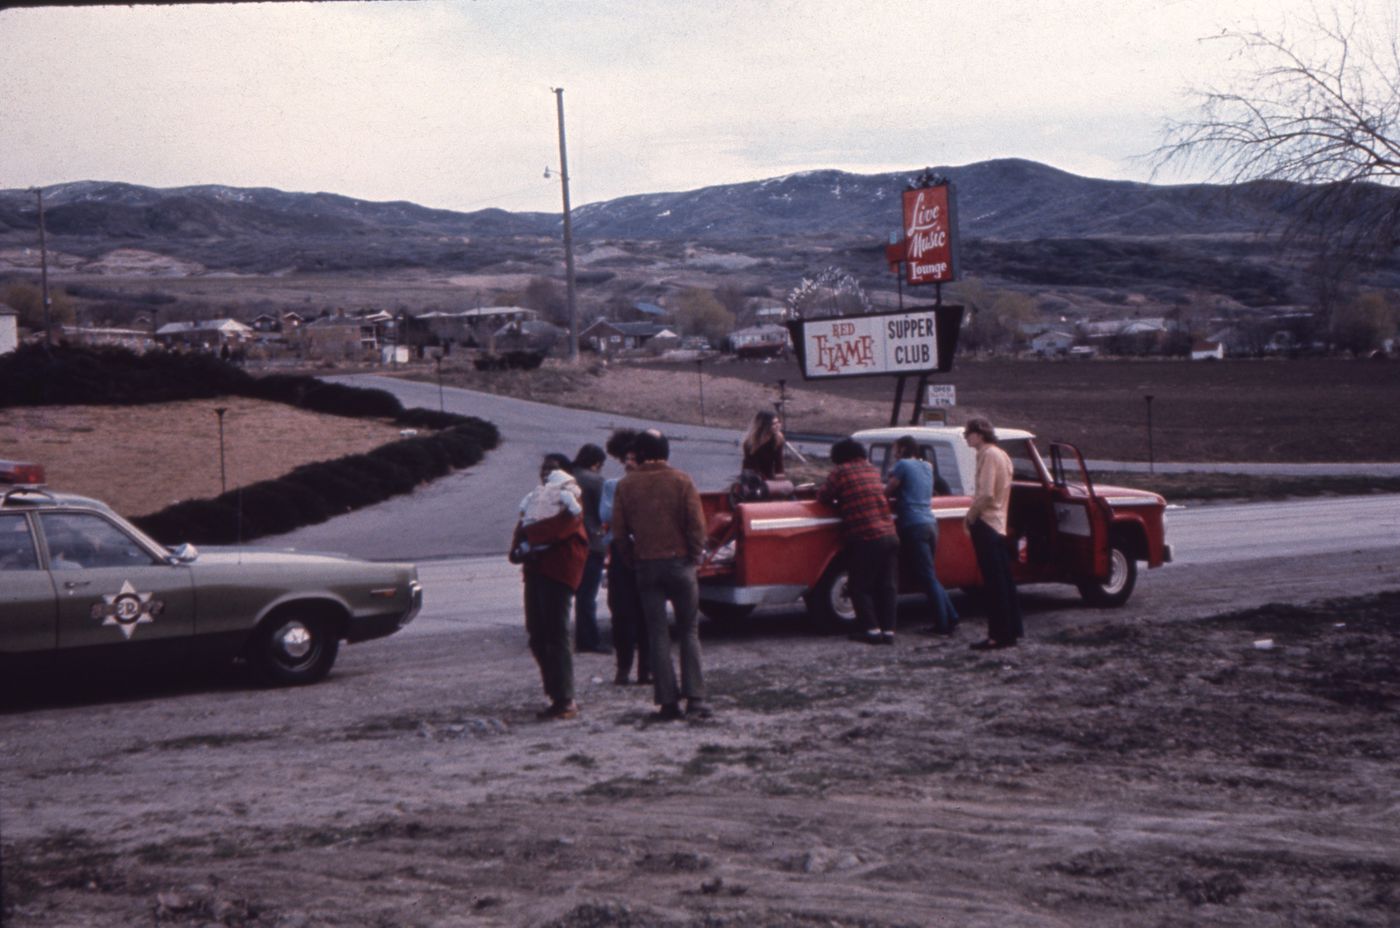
(267, 322)
(606, 336)
(527, 335)
(9, 329)
(342, 337)
(292, 320)
(137, 340)
(1053, 343)
(1202, 350)
(472, 327)
(206, 334)
(760, 341)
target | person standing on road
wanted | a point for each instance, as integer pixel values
(911, 486)
(986, 524)
(587, 470)
(660, 526)
(629, 630)
(871, 546)
(551, 546)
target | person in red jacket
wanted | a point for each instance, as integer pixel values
(551, 545)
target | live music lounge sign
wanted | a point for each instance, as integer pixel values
(930, 236)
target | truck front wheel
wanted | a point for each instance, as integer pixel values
(725, 613)
(829, 602)
(1115, 589)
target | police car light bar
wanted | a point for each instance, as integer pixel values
(21, 473)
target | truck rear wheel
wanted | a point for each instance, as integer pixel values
(1114, 590)
(829, 602)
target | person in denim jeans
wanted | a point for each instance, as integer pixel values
(911, 487)
(660, 527)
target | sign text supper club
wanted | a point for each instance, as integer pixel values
(887, 343)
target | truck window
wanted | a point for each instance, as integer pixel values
(1023, 466)
(880, 457)
(945, 465)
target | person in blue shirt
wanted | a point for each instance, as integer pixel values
(911, 487)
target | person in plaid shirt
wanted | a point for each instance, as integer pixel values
(871, 545)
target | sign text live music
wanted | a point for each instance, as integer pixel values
(928, 235)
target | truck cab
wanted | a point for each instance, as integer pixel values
(1063, 529)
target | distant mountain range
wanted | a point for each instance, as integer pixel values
(1022, 223)
(1005, 199)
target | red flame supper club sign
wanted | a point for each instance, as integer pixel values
(930, 254)
(910, 342)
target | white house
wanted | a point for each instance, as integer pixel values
(1052, 343)
(9, 329)
(1205, 350)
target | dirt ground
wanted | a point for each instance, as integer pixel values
(1151, 768)
(140, 459)
(1157, 765)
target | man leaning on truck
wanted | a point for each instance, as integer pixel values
(986, 524)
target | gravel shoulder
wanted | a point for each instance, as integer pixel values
(1146, 766)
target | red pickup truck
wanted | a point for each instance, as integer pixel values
(1065, 529)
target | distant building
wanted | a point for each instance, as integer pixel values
(137, 340)
(341, 337)
(607, 337)
(207, 334)
(472, 327)
(527, 335)
(760, 341)
(1202, 350)
(9, 329)
(1053, 343)
(267, 322)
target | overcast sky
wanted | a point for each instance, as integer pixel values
(448, 104)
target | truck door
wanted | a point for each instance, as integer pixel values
(1080, 533)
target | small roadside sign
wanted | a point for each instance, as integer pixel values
(941, 394)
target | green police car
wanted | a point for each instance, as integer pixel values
(79, 585)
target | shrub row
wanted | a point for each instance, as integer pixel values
(312, 493)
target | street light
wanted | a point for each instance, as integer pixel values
(223, 474)
(43, 266)
(1151, 466)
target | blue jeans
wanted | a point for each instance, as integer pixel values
(586, 636)
(917, 546)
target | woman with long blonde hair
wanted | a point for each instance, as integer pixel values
(763, 446)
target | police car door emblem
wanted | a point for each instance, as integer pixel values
(127, 609)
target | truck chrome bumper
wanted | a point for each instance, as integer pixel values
(751, 595)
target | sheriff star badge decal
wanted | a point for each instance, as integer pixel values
(127, 609)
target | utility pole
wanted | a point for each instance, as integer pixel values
(43, 267)
(568, 231)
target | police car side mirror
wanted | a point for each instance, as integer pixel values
(184, 554)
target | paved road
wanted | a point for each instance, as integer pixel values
(471, 513)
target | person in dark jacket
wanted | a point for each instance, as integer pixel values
(629, 629)
(587, 470)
